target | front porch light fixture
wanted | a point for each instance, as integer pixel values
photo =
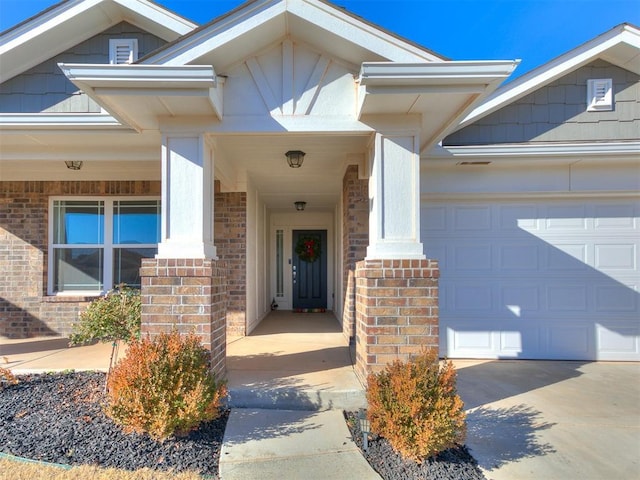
(73, 164)
(295, 158)
(300, 206)
(365, 428)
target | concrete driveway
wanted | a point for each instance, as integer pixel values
(552, 419)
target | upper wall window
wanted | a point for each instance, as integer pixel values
(123, 50)
(98, 243)
(599, 95)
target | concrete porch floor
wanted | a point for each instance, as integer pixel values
(295, 361)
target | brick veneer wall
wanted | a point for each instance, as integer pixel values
(396, 311)
(355, 238)
(230, 232)
(25, 309)
(188, 295)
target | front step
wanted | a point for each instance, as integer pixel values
(296, 398)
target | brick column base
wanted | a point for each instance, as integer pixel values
(188, 295)
(396, 311)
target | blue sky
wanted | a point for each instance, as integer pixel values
(535, 31)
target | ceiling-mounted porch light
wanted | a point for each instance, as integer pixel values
(295, 158)
(73, 164)
(300, 205)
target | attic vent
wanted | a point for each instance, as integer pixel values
(599, 95)
(123, 50)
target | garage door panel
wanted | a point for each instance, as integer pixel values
(522, 279)
(513, 343)
(515, 218)
(568, 217)
(620, 217)
(478, 341)
(519, 257)
(615, 256)
(570, 342)
(521, 299)
(616, 298)
(566, 256)
(475, 298)
(467, 218)
(566, 298)
(435, 218)
(472, 257)
(618, 339)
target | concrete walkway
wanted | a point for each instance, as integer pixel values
(294, 361)
(285, 444)
(526, 419)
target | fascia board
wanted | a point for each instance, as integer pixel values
(101, 14)
(435, 73)
(140, 76)
(553, 70)
(551, 150)
(46, 20)
(13, 122)
(159, 15)
(216, 33)
(359, 31)
(100, 82)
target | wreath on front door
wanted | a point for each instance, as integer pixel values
(308, 249)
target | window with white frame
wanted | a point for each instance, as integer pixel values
(96, 243)
(123, 50)
(599, 95)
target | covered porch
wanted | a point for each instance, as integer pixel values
(294, 361)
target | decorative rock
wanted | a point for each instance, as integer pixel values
(58, 418)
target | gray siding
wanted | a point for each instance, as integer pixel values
(44, 88)
(558, 113)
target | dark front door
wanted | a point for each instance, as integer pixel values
(309, 269)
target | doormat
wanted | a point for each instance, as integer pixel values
(310, 310)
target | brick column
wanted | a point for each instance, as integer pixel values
(396, 311)
(355, 238)
(188, 295)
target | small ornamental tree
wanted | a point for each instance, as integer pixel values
(115, 317)
(414, 405)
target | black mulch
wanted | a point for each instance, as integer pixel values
(452, 464)
(58, 418)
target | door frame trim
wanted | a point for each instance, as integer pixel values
(294, 221)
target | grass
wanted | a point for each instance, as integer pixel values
(17, 470)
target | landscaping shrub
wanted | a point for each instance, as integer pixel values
(7, 378)
(164, 386)
(414, 405)
(111, 318)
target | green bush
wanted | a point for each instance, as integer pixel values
(414, 405)
(164, 386)
(111, 318)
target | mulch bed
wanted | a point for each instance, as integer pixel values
(58, 418)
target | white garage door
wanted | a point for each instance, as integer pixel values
(552, 279)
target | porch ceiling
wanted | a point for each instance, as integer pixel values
(260, 161)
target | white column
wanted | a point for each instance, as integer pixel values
(394, 190)
(187, 197)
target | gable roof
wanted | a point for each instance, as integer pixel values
(70, 22)
(261, 22)
(619, 46)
